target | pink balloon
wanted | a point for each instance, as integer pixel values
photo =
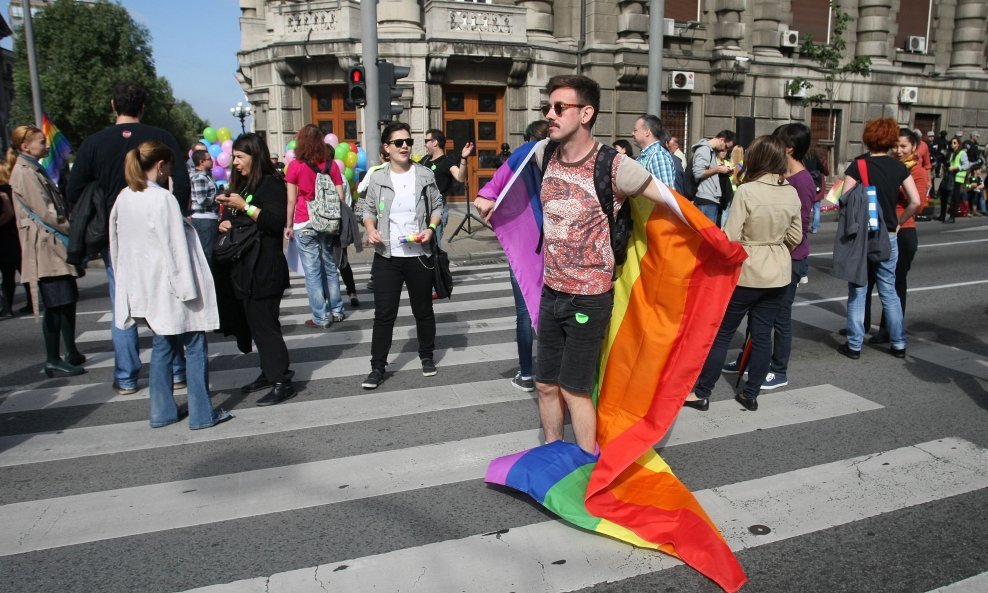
(340, 165)
(290, 154)
(227, 146)
(223, 159)
(331, 139)
(219, 173)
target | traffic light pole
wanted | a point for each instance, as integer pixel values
(368, 42)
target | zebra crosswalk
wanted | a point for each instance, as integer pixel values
(346, 490)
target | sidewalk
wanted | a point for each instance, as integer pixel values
(481, 245)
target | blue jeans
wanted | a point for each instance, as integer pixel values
(709, 210)
(191, 347)
(523, 330)
(322, 279)
(815, 225)
(857, 298)
(207, 229)
(126, 357)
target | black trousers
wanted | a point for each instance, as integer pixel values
(262, 316)
(7, 271)
(389, 275)
(908, 241)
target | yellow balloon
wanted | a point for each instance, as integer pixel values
(350, 160)
(223, 134)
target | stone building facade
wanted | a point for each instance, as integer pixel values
(478, 69)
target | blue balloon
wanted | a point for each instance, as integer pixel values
(361, 158)
(204, 143)
(215, 150)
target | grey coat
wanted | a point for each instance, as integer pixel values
(376, 204)
(854, 244)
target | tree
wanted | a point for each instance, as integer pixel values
(829, 59)
(84, 49)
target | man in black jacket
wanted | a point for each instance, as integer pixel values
(101, 159)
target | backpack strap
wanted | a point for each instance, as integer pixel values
(863, 171)
(550, 148)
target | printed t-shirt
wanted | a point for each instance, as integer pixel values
(302, 175)
(806, 189)
(577, 238)
(403, 221)
(886, 174)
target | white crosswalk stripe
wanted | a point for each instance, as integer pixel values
(78, 481)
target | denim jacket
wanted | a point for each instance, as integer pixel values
(380, 195)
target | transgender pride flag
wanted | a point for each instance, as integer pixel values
(59, 149)
(669, 300)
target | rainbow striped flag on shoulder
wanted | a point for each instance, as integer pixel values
(59, 149)
(669, 299)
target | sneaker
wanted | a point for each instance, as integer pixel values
(338, 317)
(774, 381)
(522, 383)
(428, 367)
(310, 323)
(731, 368)
(179, 384)
(370, 285)
(354, 301)
(373, 379)
(804, 280)
(124, 390)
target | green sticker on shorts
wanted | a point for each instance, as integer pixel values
(582, 318)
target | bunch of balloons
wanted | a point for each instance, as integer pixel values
(351, 160)
(220, 146)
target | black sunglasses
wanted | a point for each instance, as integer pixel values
(401, 142)
(559, 107)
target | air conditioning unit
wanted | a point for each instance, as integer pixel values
(681, 81)
(916, 45)
(789, 39)
(669, 29)
(797, 93)
(908, 94)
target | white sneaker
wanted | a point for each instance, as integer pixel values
(804, 280)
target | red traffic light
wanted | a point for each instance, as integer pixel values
(356, 76)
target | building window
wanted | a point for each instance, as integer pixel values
(914, 19)
(812, 19)
(686, 10)
(332, 113)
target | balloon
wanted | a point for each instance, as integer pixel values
(219, 173)
(340, 165)
(291, 145)
(227, 146)
(223, 134)
(223, 159)
(204, 142)
(350, 160)
(209, 134)
(331, 139)
(361, 158)
(348, 173)
(215, 150)
(342, 149)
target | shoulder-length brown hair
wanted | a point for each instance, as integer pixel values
(20, 135)
(309, 145)
(766, 155)
(260, 162)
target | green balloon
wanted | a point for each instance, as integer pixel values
(348, 173)
(209, 134)
(342, 149)
(291, 145)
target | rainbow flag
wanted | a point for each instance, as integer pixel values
(669, 300)
(58, 149)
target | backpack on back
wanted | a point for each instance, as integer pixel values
(691, 185)
(620, 226)
(325, 215)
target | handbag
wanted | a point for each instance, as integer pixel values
(442, 278)
(237, 242)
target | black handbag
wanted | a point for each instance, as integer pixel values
(236, 242)
(442, 278)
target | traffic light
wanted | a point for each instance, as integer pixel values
(388, 76)
(356, 86)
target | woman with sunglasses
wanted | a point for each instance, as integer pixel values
(401, 211)
(959, 164)
(260, 277)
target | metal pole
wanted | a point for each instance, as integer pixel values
(368, 42)
(32, 62)
(656, 30)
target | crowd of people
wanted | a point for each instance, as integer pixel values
(221, 252)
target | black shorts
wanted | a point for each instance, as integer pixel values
(571, 331)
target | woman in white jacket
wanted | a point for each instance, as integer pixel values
(162, 277)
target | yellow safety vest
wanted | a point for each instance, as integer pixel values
(955, 161)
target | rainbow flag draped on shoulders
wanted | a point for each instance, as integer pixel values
(59, 149)
(669, 299)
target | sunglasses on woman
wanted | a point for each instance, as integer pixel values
(401, 142)
(559, 107)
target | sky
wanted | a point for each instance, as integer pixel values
(195, 44)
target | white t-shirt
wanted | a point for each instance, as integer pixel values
(403, 221)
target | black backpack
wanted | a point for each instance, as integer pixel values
(620, 225)
(690, 184)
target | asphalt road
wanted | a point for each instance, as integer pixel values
(871, 475)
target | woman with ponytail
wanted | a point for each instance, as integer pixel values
(162, 277)
(43, 228)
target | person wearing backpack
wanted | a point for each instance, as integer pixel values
(705, 168)
(584, 238)
(315, 248)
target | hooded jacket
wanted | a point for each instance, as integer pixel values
(705, 157)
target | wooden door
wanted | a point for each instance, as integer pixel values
(332, 113)
(474, 114)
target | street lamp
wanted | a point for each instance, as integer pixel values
(241, 112)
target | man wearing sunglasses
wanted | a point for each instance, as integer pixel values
(445, 167)
(578, 294)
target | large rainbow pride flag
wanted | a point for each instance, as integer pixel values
(669, 300)
(59, 149)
